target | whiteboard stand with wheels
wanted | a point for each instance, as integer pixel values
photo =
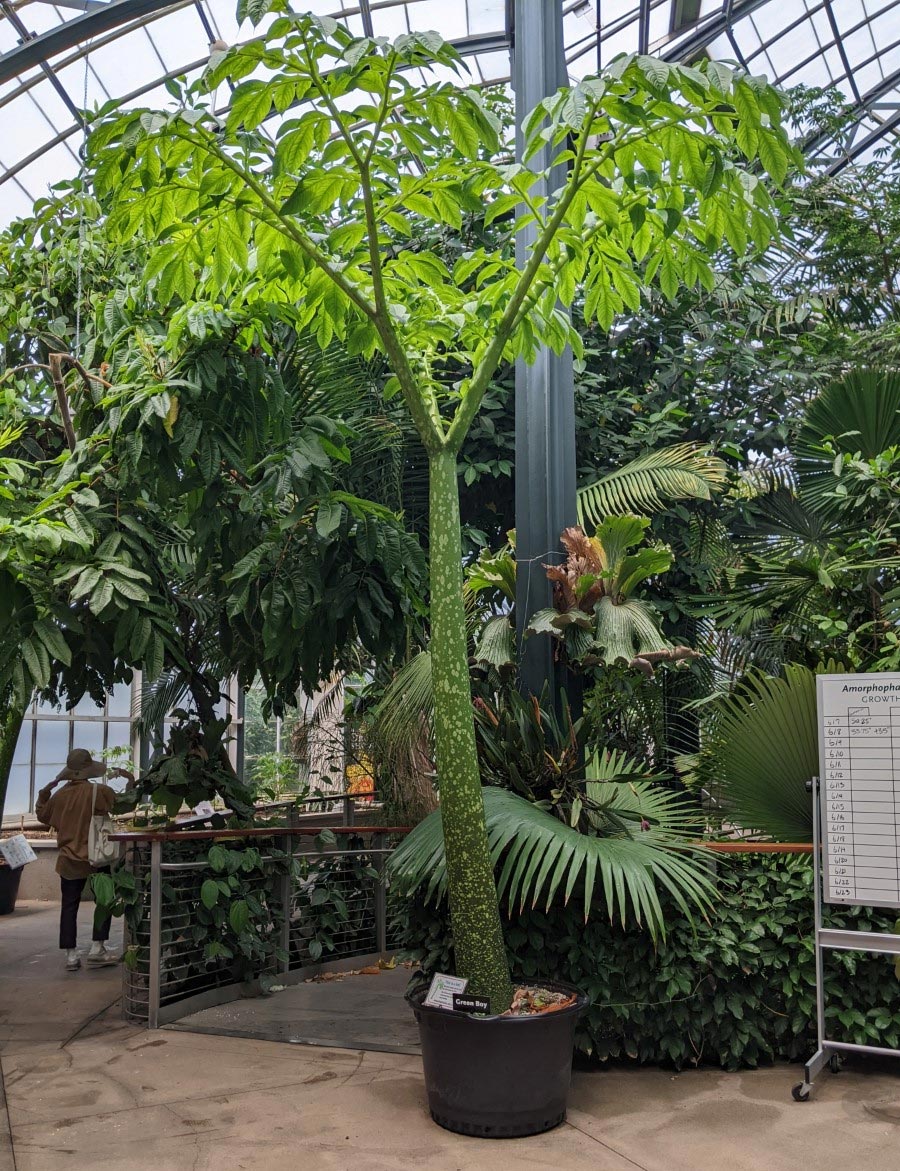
(856, 831)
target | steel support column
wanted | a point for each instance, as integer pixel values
(545, 395)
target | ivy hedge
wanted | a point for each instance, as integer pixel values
(738, 990)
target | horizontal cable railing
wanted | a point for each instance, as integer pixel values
(311, 900)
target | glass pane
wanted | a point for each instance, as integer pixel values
(44, 774)
(52, 742)
(18, 796)
(87, 707)
(22, 754)
(118, 701)
(89, 736)
(118, 735)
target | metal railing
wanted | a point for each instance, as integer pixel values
(329, 907)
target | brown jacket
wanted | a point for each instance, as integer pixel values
(68, 811)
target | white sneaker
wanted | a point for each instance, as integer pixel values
(73, 961)
(101, 958)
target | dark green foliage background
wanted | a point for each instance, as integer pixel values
(736, 991)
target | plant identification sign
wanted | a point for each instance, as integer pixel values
(859, 753)
(17, 852)
(442, 990)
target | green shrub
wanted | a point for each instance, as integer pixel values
(736, 991)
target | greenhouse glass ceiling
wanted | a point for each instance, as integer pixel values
(57, 59)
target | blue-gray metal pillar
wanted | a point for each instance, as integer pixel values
(545, 394)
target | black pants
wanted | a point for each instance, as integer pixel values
(68, 914)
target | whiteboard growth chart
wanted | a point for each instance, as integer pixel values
(859, 749)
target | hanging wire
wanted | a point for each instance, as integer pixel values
(79, 263)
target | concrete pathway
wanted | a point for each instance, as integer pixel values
(363, 1009)
(86, 1091)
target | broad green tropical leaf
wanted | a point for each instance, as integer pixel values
(626, 630)
(861, 411)
(858, 413)
(762, 751)
(496, 646)
(652, 481)
(538, 858)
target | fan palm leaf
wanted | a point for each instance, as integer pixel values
(861, 411)
(857, 413)
(651, 482)
(762, 751)
(538, 857)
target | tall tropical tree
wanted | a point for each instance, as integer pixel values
(312, 226)
(194, 510)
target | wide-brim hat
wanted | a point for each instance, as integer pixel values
(81, 766)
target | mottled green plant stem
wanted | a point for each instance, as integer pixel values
(10, 724)
(474, 912)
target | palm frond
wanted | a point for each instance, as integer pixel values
(766, 474)
(890, 607)
(797, 309)
(327, 705)
(860, 411)
(651, 482)
(611, 764)
(784, 527)
(857, 413)
(405, 708)
(762, 751)
(158, 700)
(538, 857)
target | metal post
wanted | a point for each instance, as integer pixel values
(824, 1048)
(380, 897)
(545, 391)
(817, 909)
(155, 934)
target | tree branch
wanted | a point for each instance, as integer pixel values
(55, 367)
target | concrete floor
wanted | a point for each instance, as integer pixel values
(85, 1090)
(362, 1010)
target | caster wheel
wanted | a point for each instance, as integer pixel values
(800, 1093)
(835, 1063)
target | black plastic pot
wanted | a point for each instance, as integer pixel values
(9, 888)
(497, 1077)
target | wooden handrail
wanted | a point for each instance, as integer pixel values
(257, 832)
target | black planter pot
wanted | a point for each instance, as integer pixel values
(9, 888)
(497, 1077)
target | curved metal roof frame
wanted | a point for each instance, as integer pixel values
(811, 38)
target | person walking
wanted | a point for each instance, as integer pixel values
(69, 812)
